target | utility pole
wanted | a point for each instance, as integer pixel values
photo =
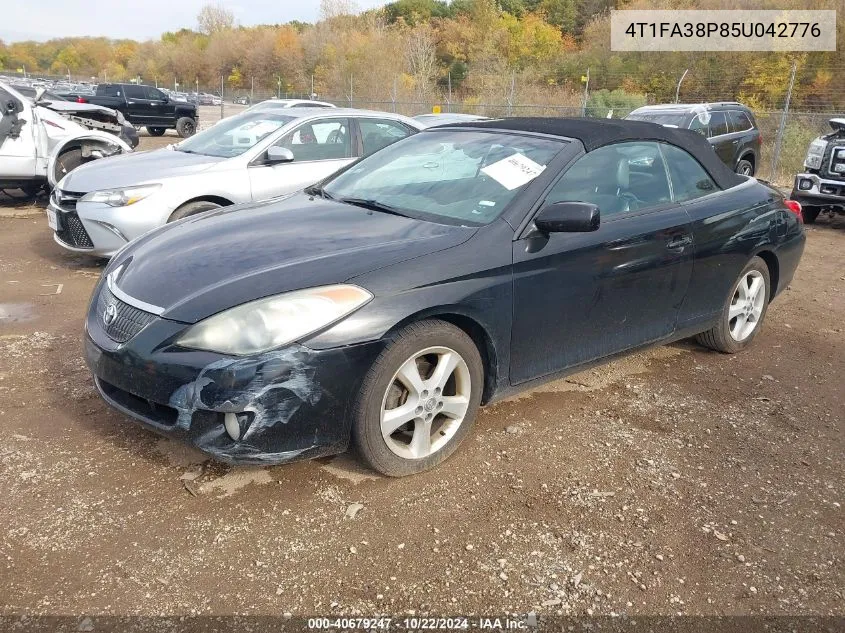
(252, 91)
(222, 113)
(678, 89)
(510, 96)
(350, 90)
(782, 126)
(311, 96)
(449, 101)
(586, 80)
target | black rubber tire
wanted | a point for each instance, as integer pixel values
(156, 131)
(192, 208)
(66, 163)
(810, 214)
(719, 337)
(366, 412)
(745, 168)
(186, 127)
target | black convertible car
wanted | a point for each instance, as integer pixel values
(447, 270)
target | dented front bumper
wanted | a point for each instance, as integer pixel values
(294, 401)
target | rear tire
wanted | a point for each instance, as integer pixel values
(743, 313)
(810, 214)
(448, 371)
(192, 208)
(186, 127)
(745, 168)
(66, 163)
(156, 131)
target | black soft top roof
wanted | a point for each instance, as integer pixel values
(595, 133)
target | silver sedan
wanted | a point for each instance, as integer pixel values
(100, 207)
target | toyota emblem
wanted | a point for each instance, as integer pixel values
(110, 314)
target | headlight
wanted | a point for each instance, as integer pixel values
(261, 325)
(121, 197)
(815, 154)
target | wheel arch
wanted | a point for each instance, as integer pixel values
(473, 328)
(94, 137)
(750, 157)
(773, 264)
(223, 202)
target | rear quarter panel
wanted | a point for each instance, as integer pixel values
(729, 228)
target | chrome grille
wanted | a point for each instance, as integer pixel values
(125, 321)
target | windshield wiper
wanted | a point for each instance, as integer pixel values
(373, 205)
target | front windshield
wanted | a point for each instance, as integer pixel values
(669, 119)
(463, 177)
(234, 136)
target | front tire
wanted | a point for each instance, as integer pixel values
(186, 127)
(66, 163)
(156, 131)
(744, 310)
(419, 399)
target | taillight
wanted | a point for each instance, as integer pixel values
(795, 207)
(81, 100)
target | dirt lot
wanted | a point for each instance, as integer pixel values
(673, 481)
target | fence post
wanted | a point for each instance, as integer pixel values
(782, 126)
(394, 94)
(449, 100)
(510, 96)
(350, 90)
(222, 113)
(586, 80)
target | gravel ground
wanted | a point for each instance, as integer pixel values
(676, 480)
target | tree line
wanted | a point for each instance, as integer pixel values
(482, 51)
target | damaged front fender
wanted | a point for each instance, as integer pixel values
(93, 144)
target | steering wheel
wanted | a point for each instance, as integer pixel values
(632, 203)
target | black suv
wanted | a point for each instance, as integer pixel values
(730, 127)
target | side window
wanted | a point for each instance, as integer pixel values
(108, 91)
(154, 93)
(326, 139)
(135, 92)
(738, 121)
(616, 178)
(697, 126)
(718, 124)
(378, 133)
(689, 178)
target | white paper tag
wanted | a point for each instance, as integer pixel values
(514, 171)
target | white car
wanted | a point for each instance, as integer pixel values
(42, 139)
(271, 104)
(252, 156)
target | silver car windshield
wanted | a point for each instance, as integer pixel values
(453, 177)
(234, 136)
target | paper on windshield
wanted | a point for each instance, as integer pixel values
(514, 171)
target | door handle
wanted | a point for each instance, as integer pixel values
(735, 142)
(679, 242)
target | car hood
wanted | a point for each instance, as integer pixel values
(135, 168)
(205, 264)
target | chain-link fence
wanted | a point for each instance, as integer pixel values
(787, 129)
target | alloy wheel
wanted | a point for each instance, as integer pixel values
(746, 305)
(425, 402)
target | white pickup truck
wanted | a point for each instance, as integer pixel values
(43, 138)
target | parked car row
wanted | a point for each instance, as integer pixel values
(293, 280)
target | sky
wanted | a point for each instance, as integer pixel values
(139, 19)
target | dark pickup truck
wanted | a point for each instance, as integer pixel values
(146, 106)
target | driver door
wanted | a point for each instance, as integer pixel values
(319, 149)
(582, 296)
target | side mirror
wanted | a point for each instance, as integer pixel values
(568, 217)
(278, 155)
(39, 94)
